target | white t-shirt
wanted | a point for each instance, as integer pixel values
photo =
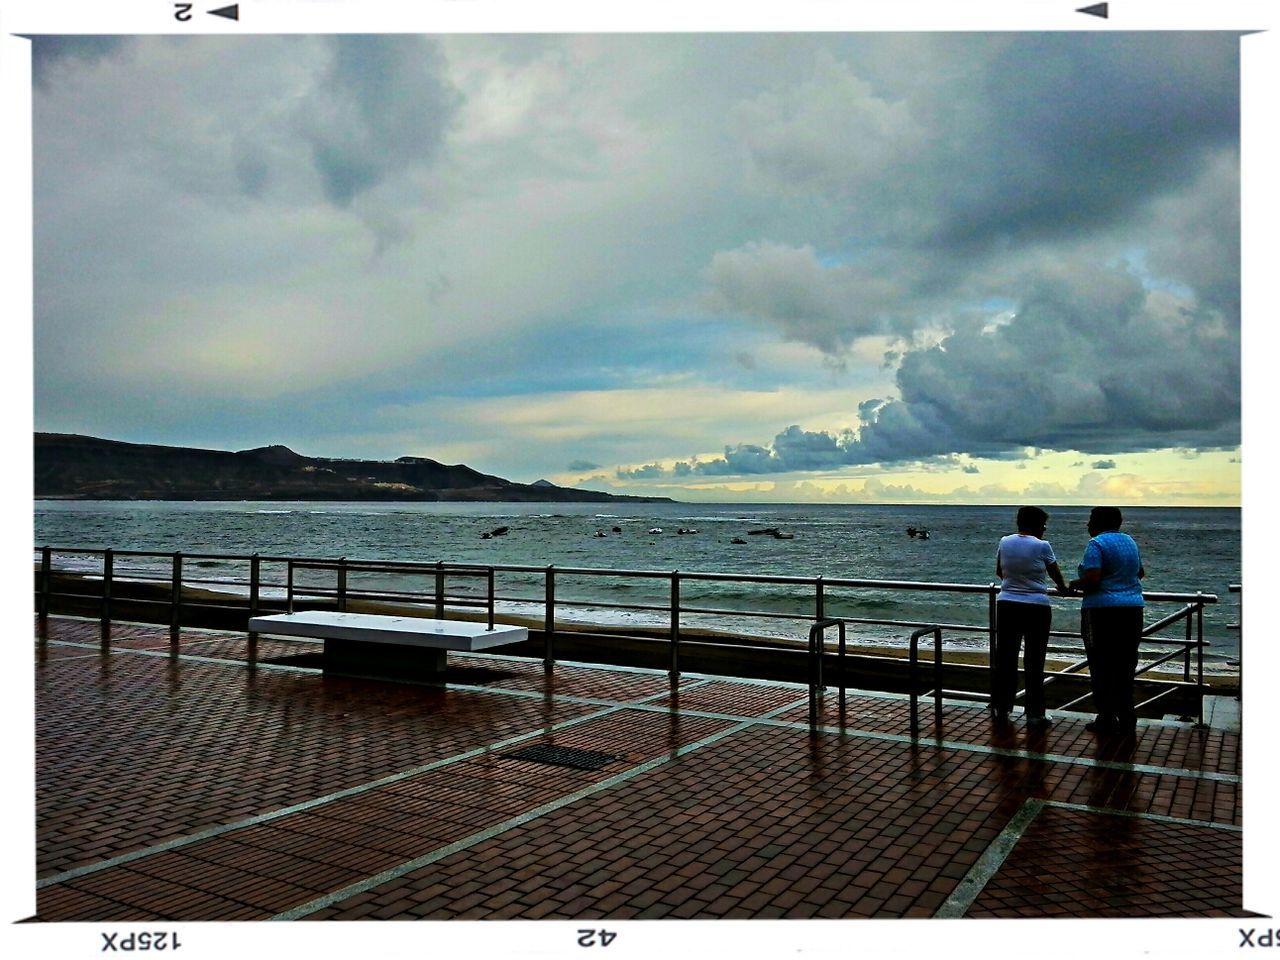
(1023, 559)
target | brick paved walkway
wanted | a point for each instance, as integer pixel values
(190, 781)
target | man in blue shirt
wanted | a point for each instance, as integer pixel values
(1111, 618)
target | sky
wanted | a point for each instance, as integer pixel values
(852, 267)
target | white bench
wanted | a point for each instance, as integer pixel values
(366, 644)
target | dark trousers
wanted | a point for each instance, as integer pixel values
(1020, 625)
(1111, 637)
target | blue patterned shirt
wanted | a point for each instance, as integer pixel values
(1116, 556)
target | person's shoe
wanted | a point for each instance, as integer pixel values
(999, 716)
(1100, 725)
(1039, 723)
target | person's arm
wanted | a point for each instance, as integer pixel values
(1088, 581)
(1090, 569)
(1055, 574)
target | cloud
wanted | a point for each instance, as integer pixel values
(830, 132)
(47, 52)
(827, 307)
(1086, 363)
(649, 471)
(382, 105)
(646, 250)
(1103, 465)
(580, 466)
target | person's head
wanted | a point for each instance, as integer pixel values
(1104, 520)
(1032, 520)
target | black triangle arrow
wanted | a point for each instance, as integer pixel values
(233, 12)
(1097, 10)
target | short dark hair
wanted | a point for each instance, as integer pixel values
(1031, 518)
(1106, 518)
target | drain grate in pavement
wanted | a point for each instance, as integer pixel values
(564, 757)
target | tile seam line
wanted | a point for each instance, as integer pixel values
(1144, 815)
(222, 829)
(320, 903)
(154, 653)
(1143, 768)
(979, 875)
(577, 664)
(171, 655)
(693, 682)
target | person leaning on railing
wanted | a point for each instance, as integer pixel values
(1111, 618)
(1024, 563)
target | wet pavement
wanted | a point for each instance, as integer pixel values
(192, 778)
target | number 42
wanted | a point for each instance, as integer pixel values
(595, 938)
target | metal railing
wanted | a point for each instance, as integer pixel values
(913, 678)
(817, 650)
(280, 583)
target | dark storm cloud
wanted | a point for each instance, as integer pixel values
(384, 104)
(1088, 186)
(580, 466)
(1089, 132)
(1091, 363)
(1104, 464)
(47, 51)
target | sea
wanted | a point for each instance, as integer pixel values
(1184, 549)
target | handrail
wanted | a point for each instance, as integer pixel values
(914, 683)
(817, 648)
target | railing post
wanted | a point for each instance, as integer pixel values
(255, 583)
(1200, 656)
(342, 584)
(175, 601)
(913, 658)
(549, 624)
(439, 589)
(1186, 650)
(820, 612)
(108, 569)
(815, 675)
(937, 678)
(993, 591)
(1240, 644)
(46, 586)
(490, 598)
(675, 625)
(843, 679)
(288, 608)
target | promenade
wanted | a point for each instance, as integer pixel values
(188, 778)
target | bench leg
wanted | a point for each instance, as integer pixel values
(385, 661)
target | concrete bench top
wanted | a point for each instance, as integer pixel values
(462, 635)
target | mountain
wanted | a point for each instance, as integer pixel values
(73, 467)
